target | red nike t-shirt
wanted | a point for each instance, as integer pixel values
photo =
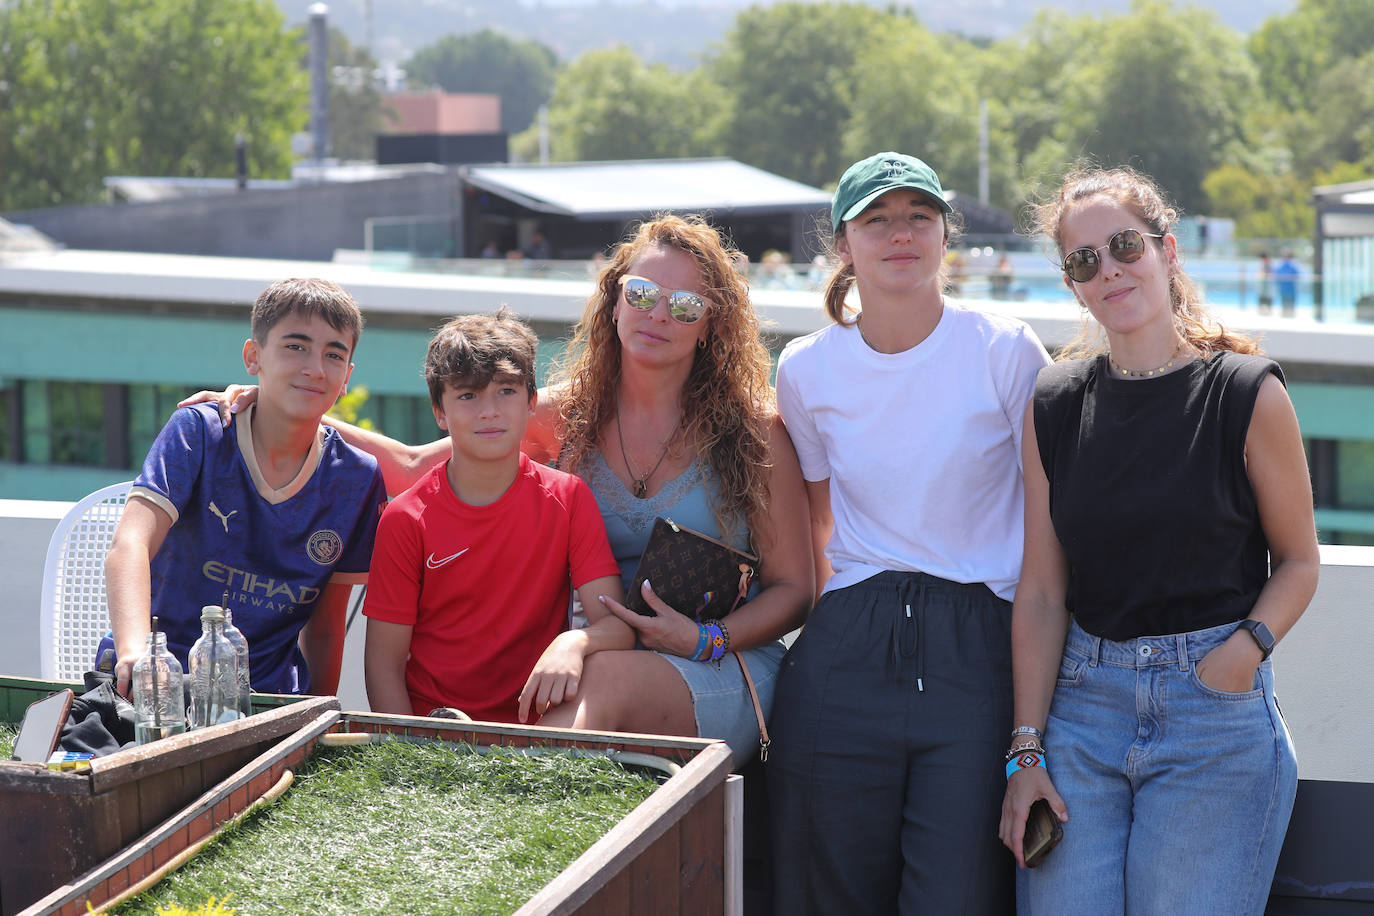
(486, 588)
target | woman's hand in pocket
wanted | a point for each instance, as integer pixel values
(1231, 666)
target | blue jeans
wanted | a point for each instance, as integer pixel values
(1178, 794)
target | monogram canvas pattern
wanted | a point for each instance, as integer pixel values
(696, 575)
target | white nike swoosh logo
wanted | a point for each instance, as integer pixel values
(435, 564)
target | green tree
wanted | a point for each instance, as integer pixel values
(611, 105)
(90, 88)
(1042, 84)
(1340, 125)
(357, 113)
(1289, 53)
(912, 93)
(790, 69)
(1264, 206)
(520, 71)
(1295, 50)
(352, 403)
(1173, 90)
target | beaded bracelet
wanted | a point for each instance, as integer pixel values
(1026, 760)
(717, 641)
(726, 633)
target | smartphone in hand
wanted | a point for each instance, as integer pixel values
(1043, 831)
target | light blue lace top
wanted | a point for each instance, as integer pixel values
(686, 499)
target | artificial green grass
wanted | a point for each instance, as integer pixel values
(8, 732)
(411, 828)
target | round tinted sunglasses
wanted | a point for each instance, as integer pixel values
(643, 294)
(1127, 247)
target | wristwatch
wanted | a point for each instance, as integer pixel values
(1263, 638)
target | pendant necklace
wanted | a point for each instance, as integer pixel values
(641, 484)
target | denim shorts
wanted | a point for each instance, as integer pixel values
(720, 698)
(1178, 794)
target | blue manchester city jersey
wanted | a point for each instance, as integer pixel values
(272, 550)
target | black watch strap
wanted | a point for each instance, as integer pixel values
(1263, 638)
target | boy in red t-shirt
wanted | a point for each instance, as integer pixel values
(472, 566)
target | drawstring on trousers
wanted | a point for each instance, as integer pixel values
(908, 638)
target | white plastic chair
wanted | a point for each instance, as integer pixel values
(73, 613)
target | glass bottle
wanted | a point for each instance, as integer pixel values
(214, 673)
(240, 644)
(159, 704)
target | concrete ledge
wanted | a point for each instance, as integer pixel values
(1320, 668)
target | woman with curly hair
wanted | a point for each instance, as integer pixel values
(663, 405)
(1169, 544)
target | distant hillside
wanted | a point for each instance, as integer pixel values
(675, 32)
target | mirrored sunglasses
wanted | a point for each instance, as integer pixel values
(643, 294)
(1126, 247)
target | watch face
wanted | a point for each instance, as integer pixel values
(1263, 638)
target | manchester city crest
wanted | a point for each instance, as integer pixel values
(324, 546)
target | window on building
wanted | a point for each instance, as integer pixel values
(64, 423)
(150, 407)
(9, 420)
(409, 419)
(1354, 484)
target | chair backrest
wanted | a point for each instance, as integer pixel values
(74, 614)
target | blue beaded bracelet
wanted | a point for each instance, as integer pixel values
(1025, 760)
(717, 643)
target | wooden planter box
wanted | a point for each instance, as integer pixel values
(55, 826)
(668, 856)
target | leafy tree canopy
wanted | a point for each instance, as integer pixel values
(90, 88)
(1172, 91)
(912, 93)
(1294, 50)
(611, 105)
(790, 69)
(518, 70)
(1263, 206)
(356, 111)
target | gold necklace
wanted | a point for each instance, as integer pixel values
(1146, 373)
(641, 484)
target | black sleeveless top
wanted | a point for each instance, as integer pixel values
(1149, 494)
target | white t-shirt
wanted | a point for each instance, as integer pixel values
(922, 448)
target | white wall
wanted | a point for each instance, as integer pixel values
(1322, 669)
(25, 529)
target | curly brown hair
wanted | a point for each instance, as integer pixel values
(727, 403)
(1140, 194)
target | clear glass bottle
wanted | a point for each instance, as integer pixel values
(240, 644)
(214, 671)
(159, 704)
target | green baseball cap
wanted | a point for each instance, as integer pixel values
(867, 180)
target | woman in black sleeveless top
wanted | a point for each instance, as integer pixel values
(1169, 543)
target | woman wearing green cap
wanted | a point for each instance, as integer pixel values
(892, 709)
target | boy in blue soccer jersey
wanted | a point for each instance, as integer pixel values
(277, 510)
